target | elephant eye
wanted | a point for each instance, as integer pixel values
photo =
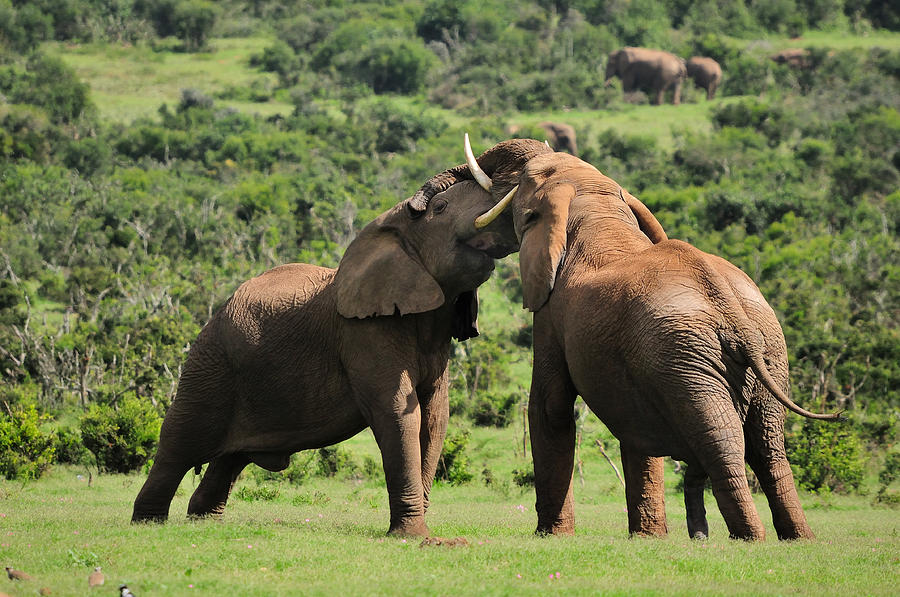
(439, 206)
(530, 218)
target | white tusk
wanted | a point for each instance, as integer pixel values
(547, 143)
(491, 214)
(483, 179)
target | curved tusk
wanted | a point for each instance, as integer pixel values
(547, 143)
(491, 214)
(483, 179)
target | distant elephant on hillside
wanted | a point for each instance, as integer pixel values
(561, 136)
(706, 73)
(649, 70)
(793, 57)
(303, 356)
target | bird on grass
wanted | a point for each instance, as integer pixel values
(124, 591)
(96, 578)
(17, 574)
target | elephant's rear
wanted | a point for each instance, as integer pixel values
(227, 354)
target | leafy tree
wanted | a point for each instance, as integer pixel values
(193, 22)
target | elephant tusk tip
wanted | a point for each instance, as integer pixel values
(477, 173)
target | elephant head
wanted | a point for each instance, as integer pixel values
(612, 66)
(540, 207)
(427, 251)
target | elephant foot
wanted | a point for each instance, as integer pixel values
(699, 536)
(800, 534)
(205, 515)
(409, 528)
(565, 528)
(148, 518)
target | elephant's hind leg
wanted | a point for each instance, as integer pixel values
(644, 494)
(211, 495)
(694, 484)
(715, 435)
(777, 482)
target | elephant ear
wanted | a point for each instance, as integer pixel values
(465, 316)
(543, 245)
(377, 276)
(646, 220)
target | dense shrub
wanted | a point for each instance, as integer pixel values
(453, 467)
(121, 439)
(193, 22)
(826, 456)
(25, 450)
(333, 460)
(493, 410)
(68, 447)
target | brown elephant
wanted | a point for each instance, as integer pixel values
(793, 57)
(674, 349)
(304, 356)
(653, 71)
(561, 136)
(706, 73)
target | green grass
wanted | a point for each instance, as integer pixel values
(130, 82)
(840, 41)
(332, 541)
(662, 122)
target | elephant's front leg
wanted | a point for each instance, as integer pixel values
(551, 421)
(435, 405)
(644, 493)
(396, 423)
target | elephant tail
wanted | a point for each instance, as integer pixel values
(728, 299)
(754, 356)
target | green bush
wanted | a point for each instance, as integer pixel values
(193, 22)
(121, 439)
(69, 448)
(332, 460)
(25, 451)
(889, 474)
(453, 467)
(493, 410)
(826, 456)
(262, 493)
(523, 477)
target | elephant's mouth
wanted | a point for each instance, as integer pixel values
(492, 244)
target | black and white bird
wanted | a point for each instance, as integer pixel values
(124, 591)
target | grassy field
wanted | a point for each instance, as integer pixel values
(327, 536)
(130, 82)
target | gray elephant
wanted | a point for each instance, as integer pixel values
(561, 136)
(674, 349)
(652, 71)
(706, 74)
(303, 356)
